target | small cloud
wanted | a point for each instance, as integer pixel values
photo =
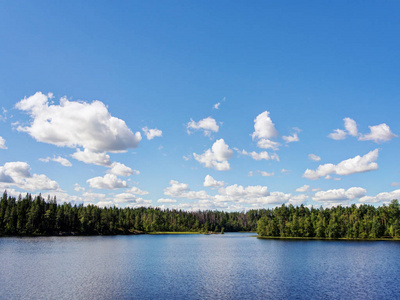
(338, 134)
(2, 143)
(78, 188)
(291, 138)
(208, 125)
(285, 172)
(211, 182)
(395, 184)
(152, 133)
(61, 160)
(353, 165)
(314, 157)
(303, 189)
(217, 157)
(379, 134)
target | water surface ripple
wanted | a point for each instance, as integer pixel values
(229, 266)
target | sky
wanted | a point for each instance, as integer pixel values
(220, 105)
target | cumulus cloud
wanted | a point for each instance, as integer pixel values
(353, 165)
(381, 197)
(217, 157)
(135, 190)
(61, 160)
(303, 189)
(291, 138)
(351, 126)
(76, 123)
(268, 144)
(89, 157)
(254, 195)
(314, 157)
(339, 195)
(120, 169)
(379, 134)
(338, 134)
(109, 182)
(216, 105)
(2, 143)
(78, 188)
(93, 197)
(264, 128)
(152, 133)
(18, 174)
(211, 182)
(208, 125)
(262, 155)
(181, 190)
(298, 199)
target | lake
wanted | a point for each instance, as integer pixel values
(229, 266)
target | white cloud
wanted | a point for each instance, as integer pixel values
(18, 174)
(268, 144)
(262, 173)
(164, 200)
(125, 198)
(379, 133)
(93, 197)
(211, 182)
(314, 157)
(338, 134)
(2, 143)
(73, 124)
(89, 157)
(291, 138)
(152, 133)
(285, 171)
(61, 160)
(181, 190)
(338, 195)
(395, 184)
(298, 199)
(120, 169)
(262, 155)
(78, 188)
(263, 127)
(381, 197)
(109, 182)
(217, 157)
(216, 105)
(105, 204)
(351, 126)
(303, 189)
(135, 190)
(353, 165)
(208, 125)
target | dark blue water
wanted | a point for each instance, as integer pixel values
(230, 266)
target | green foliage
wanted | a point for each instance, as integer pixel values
(365, 221)
(35, 216)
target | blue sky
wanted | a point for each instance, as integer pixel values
(201, 104)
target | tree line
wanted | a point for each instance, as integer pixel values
(364, 221)
(34, 215)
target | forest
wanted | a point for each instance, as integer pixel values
(36, 216)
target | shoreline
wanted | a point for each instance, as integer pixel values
(396, 239)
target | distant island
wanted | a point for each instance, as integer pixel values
(35, 216)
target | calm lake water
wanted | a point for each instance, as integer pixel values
(229, 266)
